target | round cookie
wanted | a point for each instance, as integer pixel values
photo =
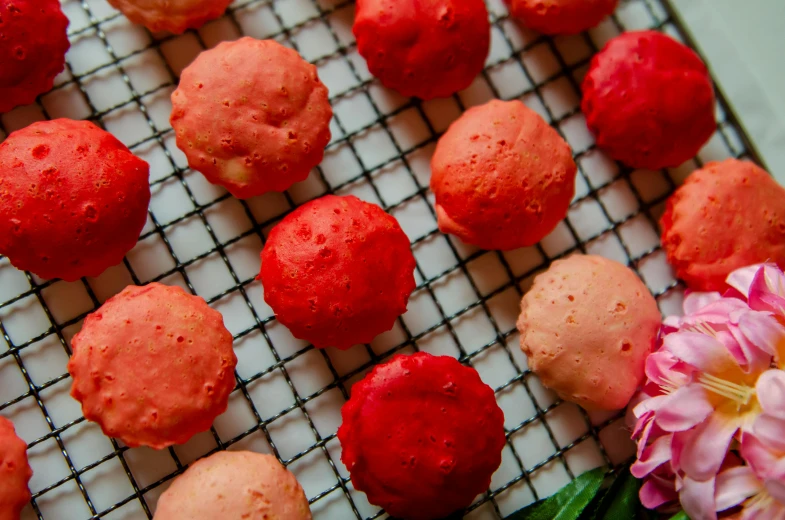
(502, 177)
(33, 43)
(252, 116)
(587, 325)
(423, 49)
(648, 100)
(337, 271)
(153, 366)
(15, 472)
(561, 16)
(726, 215)
(421, 436)
(171, 15)
(73, 199)
(232, 485)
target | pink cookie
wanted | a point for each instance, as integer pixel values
(587, 325)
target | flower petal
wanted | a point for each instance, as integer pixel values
(771, 432)
(734, 485)
(653, 456)
(685, 408)
(776, 489)
(771, 392)
(665, 369)
(741, 279)
(758, 456)
(657, 491)
(702, 449)
(763, 331)
(704, 353)
(697, 499)
(767, 290)
(695, 301)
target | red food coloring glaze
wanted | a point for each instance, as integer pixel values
(726, 215)
(421, 436)
(412, 46)
(337, 271)
(648, 100)
(15, 472)
(32, 49)
(50, 195)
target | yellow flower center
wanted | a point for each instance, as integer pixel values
(740, 394)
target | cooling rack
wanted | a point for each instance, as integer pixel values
(288, 395)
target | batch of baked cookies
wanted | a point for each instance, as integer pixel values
(421, 434)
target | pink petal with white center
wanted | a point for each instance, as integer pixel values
(657, 491)
(653, 456)
(702, 449)
(665, 369)
(695, 301)
(683, 409)
(771, 392)
(697, 499)
(763, 331)
(719, 310)
(771, 432)
(735, 485)
(741, 279)
(704, 353)
(767, 290)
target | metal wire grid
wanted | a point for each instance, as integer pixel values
(407, 157)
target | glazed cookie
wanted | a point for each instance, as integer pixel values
(727, 215)
(33, 43)
(171, 15)
(231, 485)
(421, 436)
(337, 271)
(502, 177)
(423, 49)
(74, 199)
(15, 472)
(587, 325)
(153, 366)
(252, 116)
(561, 16)
(648, 100)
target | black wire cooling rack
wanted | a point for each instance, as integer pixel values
(288, 395)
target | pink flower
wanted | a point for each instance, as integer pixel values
(760, 485)
(703, 390)
(764, 287)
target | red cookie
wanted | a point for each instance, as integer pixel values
(502, 177)
(727, 215)
(33, 43)
(173, 16)
(423, 49)
(153, 366)
(252, 116)
(15, 472)
(421, 436)
(561, 16)
(337, 271)
(74, 199)
(649, 101)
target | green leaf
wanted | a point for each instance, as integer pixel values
(568, 503)
(681, 515)
(621, 502)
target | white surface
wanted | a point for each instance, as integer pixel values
(743, 44)
(465, 305)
